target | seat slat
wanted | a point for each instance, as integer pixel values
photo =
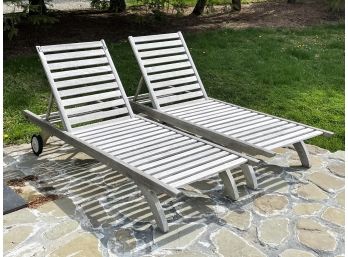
(212, 161)
(200, 110)
(171, 74)
(285, 137)
(207, 173)
(70, 47)
(90, 98)
(81, 72)
(238, 118)
(173, 82)
(240, 126)
(155, 37)
(270, 130)
(293, 140)
(87, 89)
(167, 59)
(183, 108)
(158, 45)
(174, 90)
(97, 116)
(213, 114)
(163, 157)
(271, 135)
(96, 106)
(167, 67)
(84, 81)
(174, 50)
(78, 63)
(249, 130)
(176, 98)
(74, 55)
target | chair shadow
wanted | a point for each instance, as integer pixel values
(107, 202)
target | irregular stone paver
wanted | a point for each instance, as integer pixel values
(339, 155)
(326, 182)
(270, 204)
(15, 236)
(334, 215)
(109, 208)
(311, 192)
(84, 245)
(61, 230)
(340, 198)
(273, 231)
(180, 236)
(125, 239)
(230, 244)
(295, 253)
(306, 208)
(315, 236)
(239, 219)
(22, 216)
(337, 168)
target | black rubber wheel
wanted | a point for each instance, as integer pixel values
(36, 144)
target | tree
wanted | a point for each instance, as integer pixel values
(199, 7)
(236, 5)
(37, 7)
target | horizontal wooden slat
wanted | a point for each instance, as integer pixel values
(207, 173)
(167, 67)
(200, 110)
(97, 116)
(285, 137)
(267, 131)
(70, 47)
(173, 82)
(167, 59)
(293, 140)
(84, 81)
(249, 130)
(96, 106)
(170, 51)
(176, 89)
(274, 134)
(81, 72)
(158, 45)
(238, 118)
(155, 37)
(213, 114)
(78, 63)
(88, 89)
(238, 125)
(171, 74)
(182, 108)
(90, 98)
(176, 98)
(74, 55)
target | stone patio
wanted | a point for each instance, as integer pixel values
(295, 213)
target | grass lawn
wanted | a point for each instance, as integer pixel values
(292, 73)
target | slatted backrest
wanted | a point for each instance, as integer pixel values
(85, 83)
(168, 69)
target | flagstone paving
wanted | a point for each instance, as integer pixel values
(295, 212)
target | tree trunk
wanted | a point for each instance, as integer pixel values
(117, 6)
(236, 5)
(291, 1)
(37, 7)
(199, 8)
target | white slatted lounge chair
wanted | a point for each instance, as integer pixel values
(178, 98)
(98, 120)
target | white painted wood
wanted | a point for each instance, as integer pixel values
(173, 82)
(202, 111)
(77, 64)
(88, 89)
(294, 140)
(170, 75)
(158, 37)
(302, 152)
(90, 98)
(84, 81)
(274, 134)
(241, 126)
(260, 127)
(174, 90)
(74, 55)
(230, 187)
(70, 47)
(97, 116)
(156, 53)
(181, 107)
(212, 115)
(158, 45)
(249, 175)
(225, 121)
(167, 59)
(81, 72)
(167, 67)
(285, 137)
(176, 98)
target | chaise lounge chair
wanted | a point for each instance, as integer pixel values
(97, 119)
(178, 98)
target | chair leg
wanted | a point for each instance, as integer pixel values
(156, 208)
(45, 136)
(230, 187)
(302, 152)
(249, 175)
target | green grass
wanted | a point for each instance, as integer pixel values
(293, 73)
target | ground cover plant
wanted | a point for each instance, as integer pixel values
(295, 73)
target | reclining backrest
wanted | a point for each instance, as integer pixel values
(168, 69)
(85, 83)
